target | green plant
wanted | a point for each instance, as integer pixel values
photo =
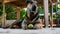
(11, 16)
(40, 10)
(22, 13)
(54, 8)
(10, 9)
(55, 16)
(11, 12)
(1, 10)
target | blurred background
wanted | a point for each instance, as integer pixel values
(11, 10)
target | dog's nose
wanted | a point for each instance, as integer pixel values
(31, 13)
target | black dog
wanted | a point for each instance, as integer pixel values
(32, 16)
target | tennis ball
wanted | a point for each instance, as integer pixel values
(30, 26)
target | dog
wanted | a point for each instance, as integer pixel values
(32, 15)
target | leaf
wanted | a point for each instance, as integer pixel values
(22, 13)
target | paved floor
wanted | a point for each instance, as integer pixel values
(39, 31)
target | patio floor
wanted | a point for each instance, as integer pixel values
(39, 31)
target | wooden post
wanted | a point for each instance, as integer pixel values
(18, 12)
(51, 15)
(3, 16)
(46, 12)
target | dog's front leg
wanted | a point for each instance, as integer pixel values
(24, 26)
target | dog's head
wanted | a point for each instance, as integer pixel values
(32, 5)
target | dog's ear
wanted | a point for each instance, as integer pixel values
(29, 1)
